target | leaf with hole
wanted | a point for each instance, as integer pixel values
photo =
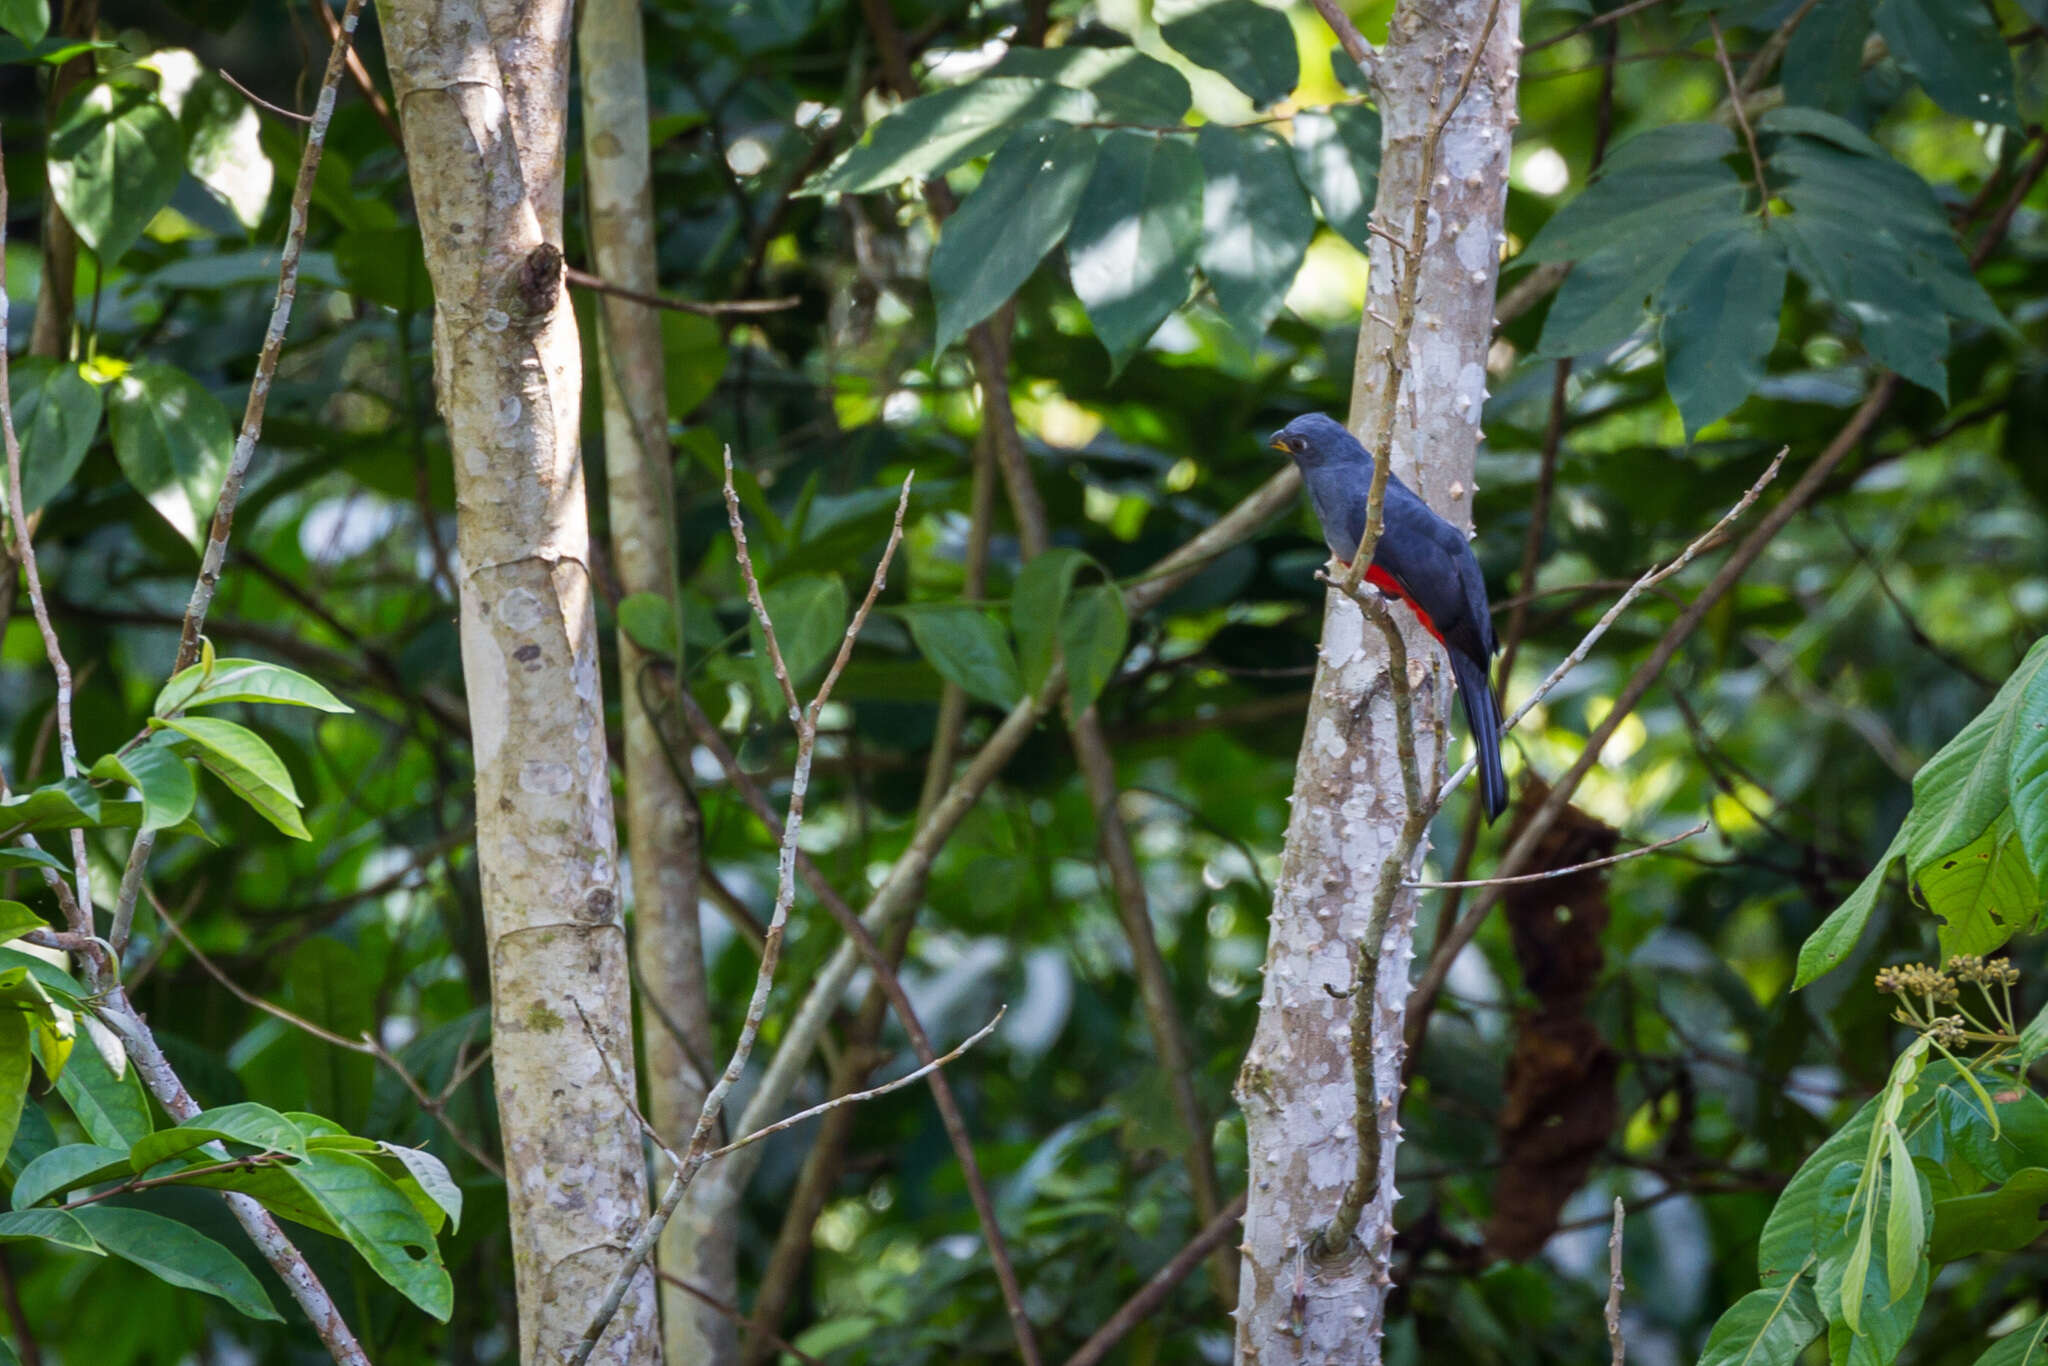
(380, 1222)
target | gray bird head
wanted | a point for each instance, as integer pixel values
(1318, 442)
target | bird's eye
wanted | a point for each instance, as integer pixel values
(1295, 443)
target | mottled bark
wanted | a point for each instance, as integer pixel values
(1302, 1110)
(662, 826)
(481, 87)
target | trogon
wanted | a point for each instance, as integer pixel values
(1421, 559)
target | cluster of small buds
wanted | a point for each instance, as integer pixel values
(1948, 1031)
(1917, 979)
(1973, 967)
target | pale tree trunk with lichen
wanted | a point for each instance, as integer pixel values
(1302, 1110)
(700, 1243)
(482, 88)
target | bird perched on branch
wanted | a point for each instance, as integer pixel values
(1421, 559)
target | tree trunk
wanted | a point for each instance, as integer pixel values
(482, 89)
(1302, 1111)
(662, 823)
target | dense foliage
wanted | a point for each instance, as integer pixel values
(1175, 232)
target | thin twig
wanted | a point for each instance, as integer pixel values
(1635, 590)
(1634, 7)
(1349, 38)
(806, 720)
(1614, 1288)
(583, 279)
(1549, 873)
(261, 103)
(1756, 158)
(142, 1183)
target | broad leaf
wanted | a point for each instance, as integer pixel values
(2034, 1040)
(377, 1219)
(250, 767)
(1093, 632)
(1720, 309)
(1836, 936)
(428, 1175)
(29, 858)
(810, 614)
(1338, 151)
(1824, 61)
(258, 1126)
(112, 1109)
(1769, 1327)
(1131, 250)
(56, 1226)
(27, 20)
(934, 133)
(1038, 605)
(115, 155)
(1256, 223)
(693, 359)
(1674, 182)
(17, 920)
(56, 416)
(1984, 892)
(67, 1168)
(2026, 1346)
(243, 680)
(1956, 50)
(388, 266)
(965, 646)
(2002, 1220)
(173, 440)
(152, 769)
(649, 621)
(178, 1254)
(1248, 43)
(1019, 212)
(1127, 85)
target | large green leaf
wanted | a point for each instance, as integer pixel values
(221, 681)
(388, 266)
(693, 359)
(27, 20)
(1720, 309)
(1768, 1327)
(1127, 85)
(1824, 61)
(178, 1254)
(967, 647)
(223, 138)
(1832, 941)
(1038, 604)
(152, 769)
(173, 440)
(56, 416)
(934, 133)
(1131, 250)
(112, 1110)
(49, 1226)
(242, 759)
(377, 1219)
(2026, 1346)
(1966, 785)
(1956, 50)
(115, 155)
(810, 614)
(14, 1071)
(66, 1168)
(1093, 632)
(1256, 223)
(247, 1122)
(17, 920)
(2034, 1039)
(427, 1175)
(1338, 151)
(1984, 892)
(1674, 182)
(1019, 212)
(1248, 43)
(2001, 1220)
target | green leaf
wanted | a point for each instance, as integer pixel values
(67, 1168)
(1955, 49)
(430, 1175)
(115, 155)
(1963, 788)
(2027, 767)
(240, 758)
(2034, 1040)
(1721, 307)
(377, 1219)
(1769, 1327)
(2026, 1346)
(173, 440)
(934, 133)
(1824, 61)
(967, 648)
(27, 20)
(649, 621)
(168, 791)
(1038, 606)
(386, 266)
(247, 1122)
(1127, 85)
(1338, 152)
(14, 1072)
(1984, 892)
(70, 803)
(2002, 1220)
(176, 1253)
(1019, 212)
(17, 920)
(112, 1110)
(1836, 936)
(243, 680)
(49, 1226)
(223, 142)
(1256, 223)
(1670, 183)
(1602, 303)
(1093, 632)
(29, 858)
(810, 615)
(32, 1138)
(1249, 44)
(693, 359)
(1131, 250)
(56, 416)
(1905, 1228)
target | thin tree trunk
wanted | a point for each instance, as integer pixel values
(662, 821)
(1303, 1113)
(482, 90)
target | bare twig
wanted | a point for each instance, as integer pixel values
(1634, 7)
(261, 103)
(1349, 38)
(806, 721)
(1614, 1288)
(716, 308)
(1586, 867)
(1710, 537)
(1756, 158)
(1140, 1306)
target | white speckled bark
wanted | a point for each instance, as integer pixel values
(1295, 1088)
(481, 86)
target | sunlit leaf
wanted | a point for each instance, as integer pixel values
(1018, 213)
(115, 155)
(173, 440)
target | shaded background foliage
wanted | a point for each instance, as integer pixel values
(1877, 624)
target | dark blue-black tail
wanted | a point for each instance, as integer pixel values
(1482, 715)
